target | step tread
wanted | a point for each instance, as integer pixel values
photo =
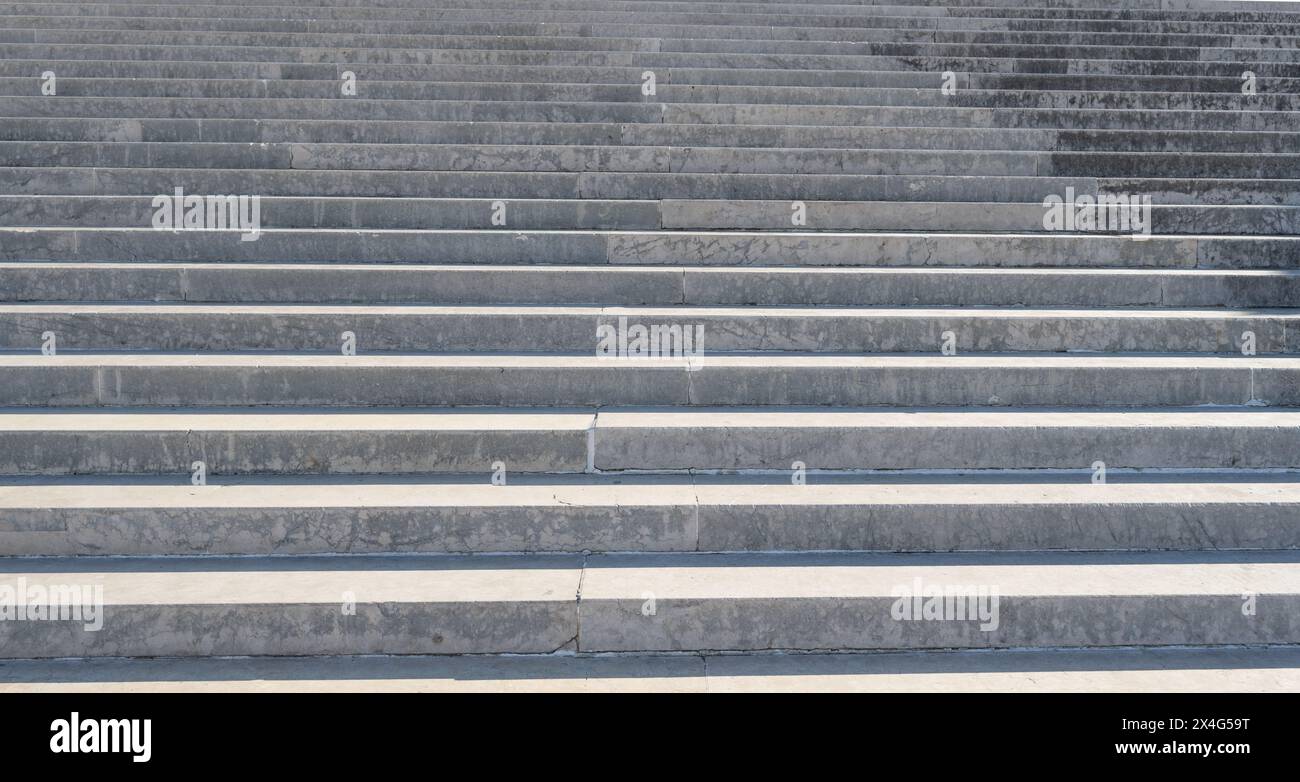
(1032, 418)
(620, 577)
(794, 576)
(279, 581)
(476, 419)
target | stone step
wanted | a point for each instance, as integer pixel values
(294, 442)
(297, 441)
(656, 24)
(550, 329)
(1140, 9)
(645, 113)
(670, 248)
(972, 438)
(636, 186)
(650, 32)
(1192, 670)
(640, 215)
(303, 606)
(947, 216)
(696, 21)
(541, 380)
(548, 603)
(377, 284)
(629, 159)
(650, 25)
(644, 159)
(271, 131)
(961, 57)
(528, 87)
(922, 44)
(536, 214)
(140, 516)
(829, 601)
(74, 75)
(1236, 17)
(805, 19)
(497, 185)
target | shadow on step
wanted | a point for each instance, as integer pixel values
(1246, 667)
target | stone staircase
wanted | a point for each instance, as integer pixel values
(383, 424)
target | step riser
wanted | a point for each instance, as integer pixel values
(718, 249)
(832, 623)
(406, 214)
(629, 286)
(641, 186)
(899, 29)
(365, 530)
(924, 93)
(687, 527)
(679, 79)
(388, 213)
(579, 333)
(647, 113)
(1195, 670)
(752, 625)
(530, 285)
(959, 287)
(968, 448)
(787, 17)
(664, 35)
(255, 44)
(292, 452)
(647, 448)
(953, 216)
(535, 627)
(382, 132)
(660, 160)
(648, 160)
(957, 58)
(621, 384)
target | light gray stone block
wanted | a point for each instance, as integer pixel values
(945, 440)
(285, 606)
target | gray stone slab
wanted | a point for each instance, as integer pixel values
(340, 283)
(301, 442)
(576, 329)
(286, 606)
(374, 514)
(403, 380)
(1205, 669)
(751, 603)
(948, 440)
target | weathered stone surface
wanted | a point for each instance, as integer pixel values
(244, 606)
(161, 515)
(837, 194)
(754, 603)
